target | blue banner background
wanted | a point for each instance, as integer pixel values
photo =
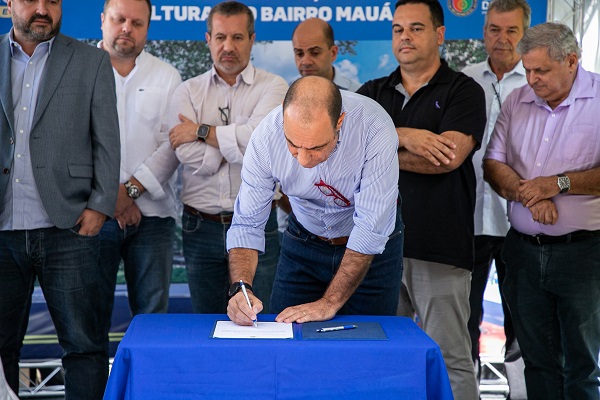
(350, 19)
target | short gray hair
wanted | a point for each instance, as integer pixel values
(511, 5)
(228, 9)
(558, 38)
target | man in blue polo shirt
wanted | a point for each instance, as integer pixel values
(440, 117)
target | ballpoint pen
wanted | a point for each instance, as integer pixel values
(337, 328)
(254, 321)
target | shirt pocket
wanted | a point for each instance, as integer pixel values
(148, 104)
(578, 146)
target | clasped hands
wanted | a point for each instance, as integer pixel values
(126, 212)
(239, 312)
(536, 195)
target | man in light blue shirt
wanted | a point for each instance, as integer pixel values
(335, 156)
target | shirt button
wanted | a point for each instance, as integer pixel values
(24, 108)
(538, 164)
(21, 131)
(17, 180)
(553, 115)
(546, 139)
(6, 171)
(27, 85)
(18, 156)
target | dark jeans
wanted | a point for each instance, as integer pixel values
(487, 249)
(553, 292)
(66, 265)
(207, 263)
(307, 264)
(147, 254)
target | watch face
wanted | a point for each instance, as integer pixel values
(233, 289)
(132, 190)
(203, 132)
(564, 183)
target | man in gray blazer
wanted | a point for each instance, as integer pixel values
(59, 163)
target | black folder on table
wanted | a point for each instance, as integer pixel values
(363, 331)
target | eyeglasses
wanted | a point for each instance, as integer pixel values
(224, 115)
(497, 95)
(327, 190)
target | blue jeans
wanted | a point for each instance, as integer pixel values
(147, 254)
(66, 265)
(207, 263)
(307, 264)
(553, 292)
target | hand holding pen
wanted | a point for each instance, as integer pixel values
(254, 321)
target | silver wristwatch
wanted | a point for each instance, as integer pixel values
(564, 183)
(132, 190)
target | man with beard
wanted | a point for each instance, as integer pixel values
(60, 159)
(143, 229)
(214, 115)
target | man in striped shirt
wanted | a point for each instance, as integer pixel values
(334, 155)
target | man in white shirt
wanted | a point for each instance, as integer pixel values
(143, 228)
(214, 115)
(502, 71)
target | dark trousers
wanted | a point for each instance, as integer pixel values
(553, 291)
(307, 264)
(66, 266)
(487, 249)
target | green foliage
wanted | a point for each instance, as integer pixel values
(347, 46)
(190, 57)
(460, 53)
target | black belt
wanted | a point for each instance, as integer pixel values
(542, 239)
(223, 218)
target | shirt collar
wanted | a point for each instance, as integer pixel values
(14, 44)
(582, 88)
(517, 70)
(440, 76)
(246, 76)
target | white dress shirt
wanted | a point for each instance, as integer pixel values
(490, 208)
(143, 97)
(211, 176)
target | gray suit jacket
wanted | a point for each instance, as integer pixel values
(74, 141)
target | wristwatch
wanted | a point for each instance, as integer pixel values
(564, 183)
(132, 190)
(202, 132)
(236, 287)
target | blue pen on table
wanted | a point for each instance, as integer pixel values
(337, 328)
(254, 321)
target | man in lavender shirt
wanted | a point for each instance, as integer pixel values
(544, 158)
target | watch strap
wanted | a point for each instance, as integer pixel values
(236, 287)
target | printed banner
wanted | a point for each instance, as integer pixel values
(275, 20)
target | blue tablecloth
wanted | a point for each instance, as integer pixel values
(173, 356)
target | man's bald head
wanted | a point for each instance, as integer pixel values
(309, 95)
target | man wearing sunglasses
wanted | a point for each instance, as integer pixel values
(334, 155)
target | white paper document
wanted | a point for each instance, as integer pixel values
(265, 330)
